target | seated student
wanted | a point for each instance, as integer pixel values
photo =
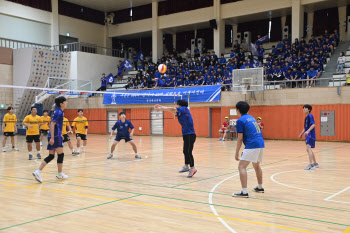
(236, 46)
(222, 59)
(288, 76)
(241, 55)
(295, 76)
(326, 50)
(286, 40)
(228, 82)
(197, 82)
(224, 128)
(232, 54)
(196, 52)
(280, 47)
(341, 63)
(159, 83)
(266, 72)
(214, 57)
(311, 75)
(278, 73)
(274, 51)
(187, 82)
(319, 69)
(180, 82)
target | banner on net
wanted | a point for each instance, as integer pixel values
(193, 94)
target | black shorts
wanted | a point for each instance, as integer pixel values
(44, 131)
(121, 137)
(31, 138)
(65, 138)
(82, 136)
(9, 134)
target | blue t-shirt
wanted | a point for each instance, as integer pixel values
(186, 121)
(123, 128)
(252, 136)
(309, 120)
(312, 74)
(58, 118)
(103, 82)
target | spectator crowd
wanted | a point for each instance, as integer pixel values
(300, 60)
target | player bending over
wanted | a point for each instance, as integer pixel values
(9, 128)
(55, 141)
(249, 133)
(188, 134)
(122, 126)
(310, 136)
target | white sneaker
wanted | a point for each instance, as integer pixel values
(83, 149)
(15, 149)
(110, 156)
(4, 149)
(41, 144)
(219, 139)
(223, 139)
(37, 176)
(61, 176)
(137, 156)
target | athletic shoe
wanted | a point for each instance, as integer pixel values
(110, 156)
(61, 176)
(30, 157)
(315, 165)
(191, 172)
(83, 149)
(41, 144)
(4, 149)
(219, 139)
(37, 176)
(38, 155)
(75, 152)
(309, 167)
(137, 156)
(256, 189)
(15, 149)
(184, 169)
(223, 139)
(240, 194)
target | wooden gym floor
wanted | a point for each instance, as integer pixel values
(149, 195)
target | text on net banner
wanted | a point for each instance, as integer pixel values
(193, 94)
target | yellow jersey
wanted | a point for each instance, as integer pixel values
(64, 126)
(46, 121)
(35, 121)
(10, 122)
(80, 124)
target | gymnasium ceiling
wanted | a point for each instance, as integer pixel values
(111, 5)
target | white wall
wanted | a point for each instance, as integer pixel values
(24, 12)
(85, 31)
(6, 94)
(24, 30)
(87, 66)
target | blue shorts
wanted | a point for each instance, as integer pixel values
(57, 144)
(122, 137)
(310, 141)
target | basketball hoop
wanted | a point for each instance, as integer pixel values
(244, 89)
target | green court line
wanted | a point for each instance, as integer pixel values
(202, 191)
(197, 202)
(72, 211)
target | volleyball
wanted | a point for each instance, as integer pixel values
(162, 68)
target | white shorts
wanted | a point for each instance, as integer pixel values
(253, 155)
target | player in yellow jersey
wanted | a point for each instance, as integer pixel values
(33, 123)
(65, 134)
(81, 130)
(9, 128)
(44, 128)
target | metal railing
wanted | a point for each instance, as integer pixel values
(302, 83)
(17, 44)
(91, 48)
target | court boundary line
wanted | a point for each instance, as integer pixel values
(341, 191)
(290, 186)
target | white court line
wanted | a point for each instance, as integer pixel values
(335, 194)
(217, 185)
(272, 178)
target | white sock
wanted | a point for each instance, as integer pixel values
(78, 149)
(30, 153)
(260, 186)
(38, 171)
(38, 151)
(244, 190)
(72, 150)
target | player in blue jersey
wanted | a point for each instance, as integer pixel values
(122, 126)
(310, 136)
(188, 134)
(55, 141)
(249, 132)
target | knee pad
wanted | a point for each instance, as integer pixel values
(49, 158)
(60, 158)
